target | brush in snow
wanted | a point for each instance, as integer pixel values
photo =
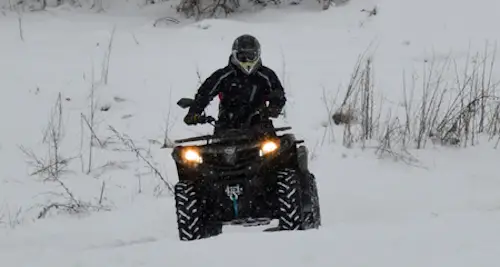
(247, 176)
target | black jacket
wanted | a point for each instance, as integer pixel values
(240, 94)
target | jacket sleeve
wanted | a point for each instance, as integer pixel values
(207, 91)
(277, 92)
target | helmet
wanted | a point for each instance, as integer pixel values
(246, 53)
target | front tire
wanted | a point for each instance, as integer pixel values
(191, 221)
(289, 193)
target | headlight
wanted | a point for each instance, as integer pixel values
(191, 155)
(268, 147)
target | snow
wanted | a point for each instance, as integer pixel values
(442, 211)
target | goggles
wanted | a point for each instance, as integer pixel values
(246, 55)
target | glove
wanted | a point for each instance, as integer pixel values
(274, 112)
(192, 118)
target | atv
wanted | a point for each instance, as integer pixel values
(247, 176)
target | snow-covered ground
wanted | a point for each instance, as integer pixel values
(443, 210)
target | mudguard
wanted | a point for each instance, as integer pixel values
(302, 159)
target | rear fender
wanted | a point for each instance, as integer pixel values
(302, 158)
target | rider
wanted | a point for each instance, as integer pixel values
(243, 86)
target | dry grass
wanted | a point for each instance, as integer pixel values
(54, 166)
(453, 111)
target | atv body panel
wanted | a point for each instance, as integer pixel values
(235, 182)
(236, 170)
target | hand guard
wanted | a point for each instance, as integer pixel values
(192, 118)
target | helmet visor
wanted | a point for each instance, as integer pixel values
(246, 55)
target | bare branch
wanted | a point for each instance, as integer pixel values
(107, 57)
(129, 143)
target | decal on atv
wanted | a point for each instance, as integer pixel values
(234, 191)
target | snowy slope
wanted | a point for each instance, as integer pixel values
(376, 212)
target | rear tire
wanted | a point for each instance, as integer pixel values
(313, 217)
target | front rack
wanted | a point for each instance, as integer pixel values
(225, 137)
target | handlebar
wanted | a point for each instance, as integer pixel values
(206, 119)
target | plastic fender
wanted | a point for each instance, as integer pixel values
(287, 148)
(302, 158)
(176, 154)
